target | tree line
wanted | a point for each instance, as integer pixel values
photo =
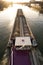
(4, 4)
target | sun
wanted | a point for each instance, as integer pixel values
(17, 0)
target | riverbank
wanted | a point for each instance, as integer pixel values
(37, 7)
(4, 4)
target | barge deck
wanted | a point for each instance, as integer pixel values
(22, 43)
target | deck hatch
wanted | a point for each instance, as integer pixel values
(23, 41)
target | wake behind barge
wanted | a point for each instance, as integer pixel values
(22, 44)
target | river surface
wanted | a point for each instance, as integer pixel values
(7, 18)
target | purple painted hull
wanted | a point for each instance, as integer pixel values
(21, 57)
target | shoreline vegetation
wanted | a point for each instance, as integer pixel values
(4, 4)
(37, 8)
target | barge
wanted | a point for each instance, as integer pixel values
(22, 44)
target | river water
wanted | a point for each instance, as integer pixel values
(7, 18)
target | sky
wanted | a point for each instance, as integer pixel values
(17, 0)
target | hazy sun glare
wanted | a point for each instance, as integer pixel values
(17, 0)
